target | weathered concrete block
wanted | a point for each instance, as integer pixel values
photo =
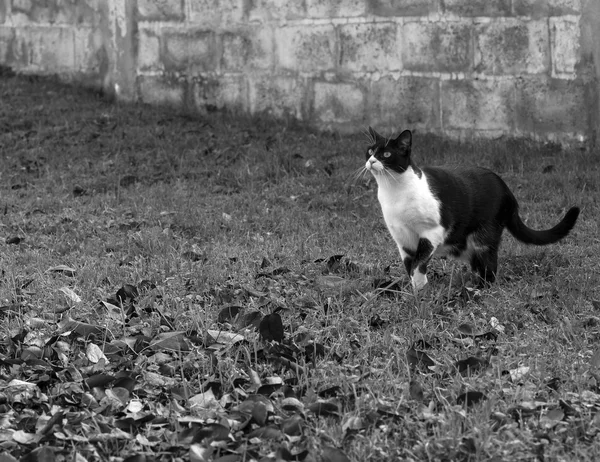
(563, 7)
(335, 8)
(235, 51)
(485, 105)
(390, 8)
(161, 10)
(161, 91)
(546, 105)
(436, 46)
(204, 91)
(338, 105)
(148, 50)
(409, 102)
(565, 45)
(95, 58)
(226, 92)
(302, 48)
(3, 11)
(274, 10)
(87, 43)
(232, 93)
(545, 8)
(7, 37)
(216, 12)
(53, 12)
(512, 47)
(251, 48)
(278, 96)
(370, 47)
(80, 13)
(477, 7)
(194, 50)
(45, 49)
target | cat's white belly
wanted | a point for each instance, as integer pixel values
(411, 212)
(403, 236)
(408, 226)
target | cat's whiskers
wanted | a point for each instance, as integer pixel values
(361, 173)
(369, 137)
(356, 176)
(389, 177)
(383, 176)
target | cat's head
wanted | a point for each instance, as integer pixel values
(389, 153)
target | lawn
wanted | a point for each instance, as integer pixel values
(210, 288)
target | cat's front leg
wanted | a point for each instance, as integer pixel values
(416, 272)
(425, 250)
(407, 256)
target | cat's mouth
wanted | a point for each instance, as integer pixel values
(374, 166)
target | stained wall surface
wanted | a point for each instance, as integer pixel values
(458, 67)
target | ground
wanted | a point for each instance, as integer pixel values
(185, 287)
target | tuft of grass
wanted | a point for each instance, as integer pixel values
(221, 211)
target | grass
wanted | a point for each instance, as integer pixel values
(224, 211)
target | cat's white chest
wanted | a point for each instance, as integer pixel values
(410, 209)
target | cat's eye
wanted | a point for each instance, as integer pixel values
(387, 154)
(370, 152)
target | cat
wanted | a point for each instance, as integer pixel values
(438, 211)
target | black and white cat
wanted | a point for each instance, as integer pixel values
(459, 212)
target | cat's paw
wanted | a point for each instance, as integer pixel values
(418, 280)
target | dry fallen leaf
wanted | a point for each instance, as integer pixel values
(224, 337)
(71, 295)
(23, 437)
(551, 418)
(174, 341)
(331, 454)
(95, 354)
(206, 401)
(66, 270)
(518, 373)
(199, 453)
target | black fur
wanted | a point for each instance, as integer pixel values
(422, 255)
(474, 203)
(419, 258)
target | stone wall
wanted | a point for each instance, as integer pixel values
(458, 67)
(53, 36)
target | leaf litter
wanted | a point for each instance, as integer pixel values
(148, 388)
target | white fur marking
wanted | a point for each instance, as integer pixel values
(409, 208)
(374, 166)
(419, 280)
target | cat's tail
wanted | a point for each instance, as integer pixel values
(530, 236)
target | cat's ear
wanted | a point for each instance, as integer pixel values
(376, 136)
(404, 139)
